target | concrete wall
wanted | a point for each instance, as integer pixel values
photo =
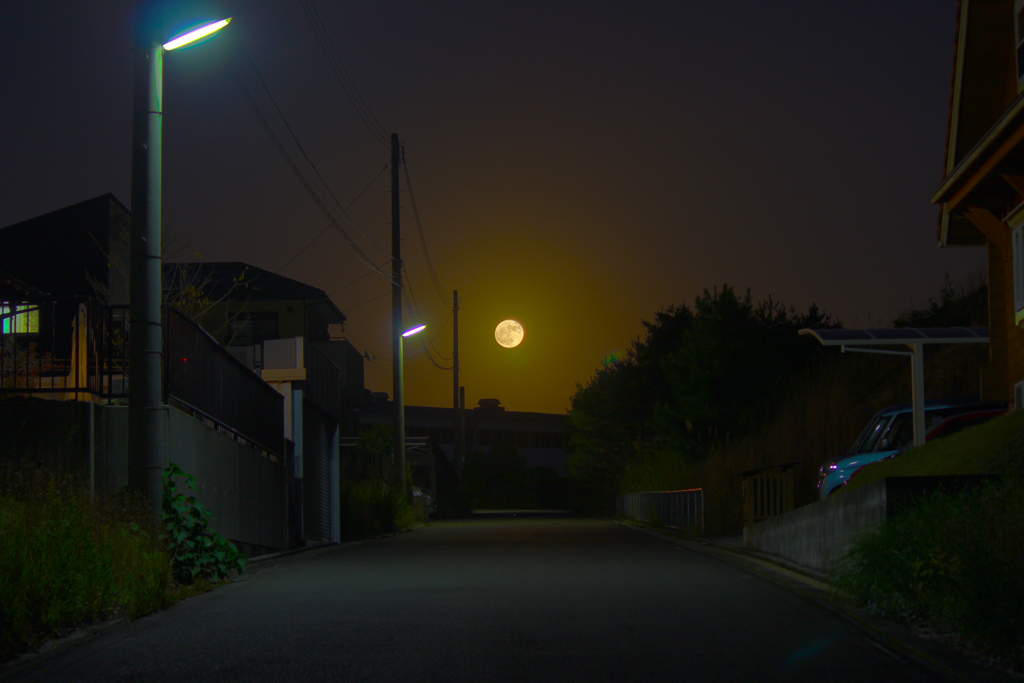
(817, 535)
(245, 492)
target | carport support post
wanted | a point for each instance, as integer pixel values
(917, 378)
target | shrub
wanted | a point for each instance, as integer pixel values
(953, 559)
(372, 508)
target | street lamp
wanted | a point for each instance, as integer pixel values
(399, 415)
(146, 421)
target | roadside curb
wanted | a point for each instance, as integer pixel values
(935, 657)
(53, 647)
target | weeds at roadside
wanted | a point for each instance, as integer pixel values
(69, 559)
(953, 560)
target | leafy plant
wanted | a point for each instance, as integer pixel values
(197, 551)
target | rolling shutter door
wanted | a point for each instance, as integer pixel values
(316, 473)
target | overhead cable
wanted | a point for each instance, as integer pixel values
(323, 38)
(423, 240)
(320, 234)
(305, 183)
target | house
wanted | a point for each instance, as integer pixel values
(259, 383)
(982, 191)
(71, 251)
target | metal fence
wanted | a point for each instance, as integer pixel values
(207, 379)
(675, 509)
(77, 349)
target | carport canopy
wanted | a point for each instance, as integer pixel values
(864, 341)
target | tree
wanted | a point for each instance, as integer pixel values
(696, 379)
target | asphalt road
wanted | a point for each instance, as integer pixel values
(493, 600)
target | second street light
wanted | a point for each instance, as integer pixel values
(146, 426)
(399, 426)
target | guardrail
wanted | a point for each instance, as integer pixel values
(674, 509)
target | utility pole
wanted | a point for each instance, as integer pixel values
(396, 316)
(456, 450)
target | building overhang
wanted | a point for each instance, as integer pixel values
(987, 184)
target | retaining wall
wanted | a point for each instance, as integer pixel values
(245, 491)
(818, 535)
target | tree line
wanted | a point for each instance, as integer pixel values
(694, 380)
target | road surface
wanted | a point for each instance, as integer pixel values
(509, 599)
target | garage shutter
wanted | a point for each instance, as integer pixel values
(317, 429)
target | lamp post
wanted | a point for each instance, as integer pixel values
(146, 420)
(399, 426)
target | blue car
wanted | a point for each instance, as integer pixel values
(886, 433)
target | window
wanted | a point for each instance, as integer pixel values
(1018, 273)
(19, 318)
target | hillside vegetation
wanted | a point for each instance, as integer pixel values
(729, 386)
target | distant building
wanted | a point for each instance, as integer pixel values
(538, 437)
(982, 191)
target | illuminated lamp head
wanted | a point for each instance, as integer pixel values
(195, 34)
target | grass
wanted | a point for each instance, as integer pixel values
(68, 560)
(991, 448)
(954, 561)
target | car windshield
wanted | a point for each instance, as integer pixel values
(869, 437)
(900, 432)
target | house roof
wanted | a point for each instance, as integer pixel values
(239, 281)
(64, 251)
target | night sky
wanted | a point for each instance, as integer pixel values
(577, 166)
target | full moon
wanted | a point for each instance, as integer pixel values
(509, 333)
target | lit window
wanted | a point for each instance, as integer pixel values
(19, 318)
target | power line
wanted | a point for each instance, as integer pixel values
(323, 38)
(423, 240)
(302, 179)
(345, 286)
(320, 234)
(349, 308)
(308, 160)
(415, 305)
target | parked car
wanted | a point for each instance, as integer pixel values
(889, 431)
(946, 427)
